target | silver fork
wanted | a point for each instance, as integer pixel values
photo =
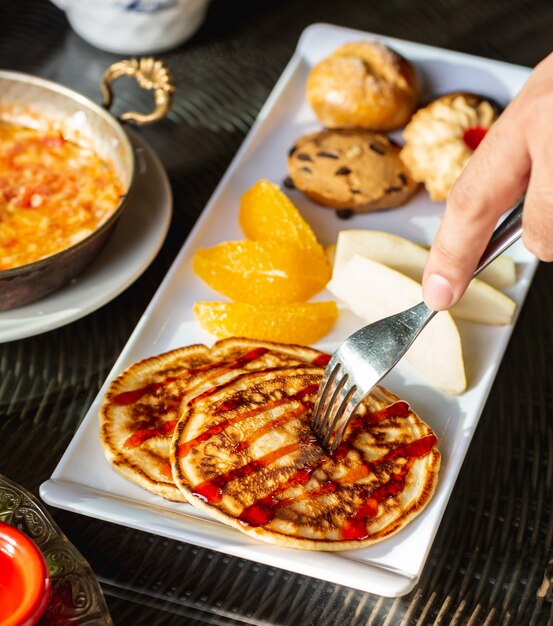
(366, 356)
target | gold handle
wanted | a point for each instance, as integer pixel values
(150, 74)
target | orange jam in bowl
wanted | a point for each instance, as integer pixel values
(24, 579)
(53, 194)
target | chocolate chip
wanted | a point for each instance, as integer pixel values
(342, 171)
(344, 214)
(306, 169)
(304, 157)
(376, 148)
(356, 191)
(292, 150)
(289, 183)
(327, 155)
(402, 178)
(393, 189)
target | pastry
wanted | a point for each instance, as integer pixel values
(143, 404)
(350, 169)
(441, 137)
(244, 453)
(363, 84)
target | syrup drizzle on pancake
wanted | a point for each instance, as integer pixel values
(232, 405)
(143, 405)
(263, 510)
(130, 397)
(244, 453)
(167, 428)
(140, 436)
(322, 360)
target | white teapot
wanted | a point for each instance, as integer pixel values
(134, 26)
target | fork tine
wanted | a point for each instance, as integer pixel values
(329, 401)
(333, 417)
(327, 393)
(337, 435)
(323, 395)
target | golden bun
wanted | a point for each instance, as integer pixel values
(363, 84)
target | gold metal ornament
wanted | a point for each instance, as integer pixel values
(150, 74)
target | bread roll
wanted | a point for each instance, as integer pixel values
(363, 84)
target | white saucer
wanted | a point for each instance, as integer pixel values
(137, 237)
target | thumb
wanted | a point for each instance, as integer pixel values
(493, 180)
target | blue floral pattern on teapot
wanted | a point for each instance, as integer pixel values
(146, 6)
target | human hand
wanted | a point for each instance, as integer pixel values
(515, 154)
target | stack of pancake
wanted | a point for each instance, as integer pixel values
(227, 429)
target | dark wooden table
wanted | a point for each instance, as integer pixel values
(491, 561)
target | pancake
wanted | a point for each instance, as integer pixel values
(143, 405)
(245, 453)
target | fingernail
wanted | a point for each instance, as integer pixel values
(438, 293)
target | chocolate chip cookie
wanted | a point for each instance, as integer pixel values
(354, 170)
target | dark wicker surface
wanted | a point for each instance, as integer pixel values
(489, 563)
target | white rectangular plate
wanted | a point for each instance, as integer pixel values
(84, 481)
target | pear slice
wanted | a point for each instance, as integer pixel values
(481, 302)
(374, 291)
(501, 273)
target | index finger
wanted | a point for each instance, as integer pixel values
(493, 180)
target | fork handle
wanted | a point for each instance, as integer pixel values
(503, 236)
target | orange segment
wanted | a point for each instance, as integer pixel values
(302, 323)
(267, 213)
(262, 272)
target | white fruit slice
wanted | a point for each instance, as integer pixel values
(396, 252)
(501, 274)
(374, 291)
(481, 302)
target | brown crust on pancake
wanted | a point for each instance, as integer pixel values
(143, 404)
(244, 453)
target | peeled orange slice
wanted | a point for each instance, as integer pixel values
(302, 323)
(262, 272)
(267, 213)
